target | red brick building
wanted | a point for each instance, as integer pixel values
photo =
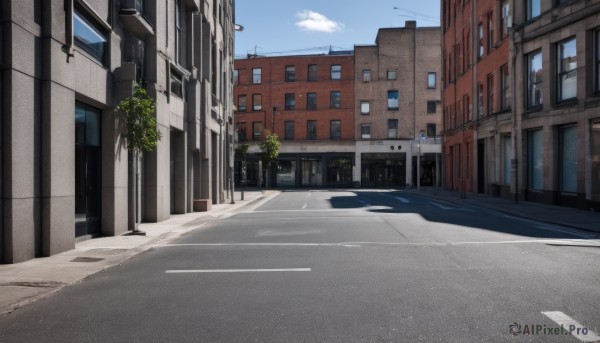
(476, 92)
(308, 101)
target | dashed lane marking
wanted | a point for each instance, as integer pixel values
(569, 324)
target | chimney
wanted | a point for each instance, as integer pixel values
(410, 24)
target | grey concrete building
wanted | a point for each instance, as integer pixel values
(64, 66)
(556, 53)
(398, 107)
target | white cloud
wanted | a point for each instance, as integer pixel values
(313, 21)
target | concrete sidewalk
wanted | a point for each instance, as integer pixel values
(26, 282)
(559, 215)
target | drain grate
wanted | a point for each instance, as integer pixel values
(86, 259)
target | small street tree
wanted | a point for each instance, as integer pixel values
(270, 150)
(141, 132)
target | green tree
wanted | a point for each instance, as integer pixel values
(270, 151)
(141, 132)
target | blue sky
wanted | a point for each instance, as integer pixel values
(288, 26)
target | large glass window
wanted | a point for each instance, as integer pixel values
(568, 158)
(236, 77)
(535, 160)
(392, 128)
(242, 103)
(365, 107)
(335, 100)
(256, 75)
(505, 100)
(89, 36)
(289, 130)
(534, 79)
(176, 84)
(312, 72)
(256, 102)
(533, 8)
(290, 101)
(335, 129)
(311, 101)
(506, 20)
(567, 70)
(480, 38)
(490, 37)
(290, 73)
(311, 130)
(336, 72)
(393, 100)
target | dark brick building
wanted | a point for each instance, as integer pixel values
(308, 101)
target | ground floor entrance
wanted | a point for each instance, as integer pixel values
(383, 169)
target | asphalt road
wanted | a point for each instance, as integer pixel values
(338, 266)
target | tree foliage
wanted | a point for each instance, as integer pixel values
(270, 147)
(142, 133)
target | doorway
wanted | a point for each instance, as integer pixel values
(87, 171)
(311, 173)
(480, 166)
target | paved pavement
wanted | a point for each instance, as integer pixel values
(23, 283)
(26, 282)
(560, 215)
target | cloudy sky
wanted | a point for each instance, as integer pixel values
(275, 27)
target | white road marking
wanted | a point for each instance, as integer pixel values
(363, 202)
(304, 206)
(181, 271)
(449, 208)
(572, 326)
(403, 200)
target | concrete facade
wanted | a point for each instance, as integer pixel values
(323, 157)
(557, 145)
(394, 130)
(60, 86)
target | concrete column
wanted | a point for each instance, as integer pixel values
(157, 202)
(180, 158)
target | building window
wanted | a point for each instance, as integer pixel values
(490, 94)
(236, 77)
(480, 38)
(431, 130)
(490, 37)
(256, 130)
(505, 101)
(431, 106)
(431, 80)
(467, 110)
(533, 9)
(242, 131)
(176, 84)
(290, 73)
(506, 20)
(289, 130)
(335, 130)
(311, 101)
(256, 75)
(311, 130)
(568, 158)
(507, 159)
(365, 107)
(256, 102)
(392, 100)
(392, 128)
(335, 99)
(178, 31)
(467, 46)
(534, 79)
(567, 70)
(535, 160)
(336, 72)
(392, 75)
(89, 36)
(365, 131)
(290, 101)
(597, 62)
(312, 72)
(480, 100)
(242, 103)
(366, 75)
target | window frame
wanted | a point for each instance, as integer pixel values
(335, 129)
(597, 62)
(256, 75)
(490, 94)
(481, 52)
(289, 101)
(257, 135)
(505, 95)
(429, 83)
(505, 17)
(428, 130)
(431, 106)
(309, 103)
(240, 108)
(256, 108)
(289, 135)
(529, 10)
(241, 129)
(335, 99)
(311, 130)
(364, 135)
(366, 75)
(490, 33)
(390, 101)
(312, 75)
(392, 130)
(177, 79)
(368, 103)
(392, 74)
(178, 45)
(290, 73)
(94, 28)
(560, 72)
(533, 85)
(336, 74)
